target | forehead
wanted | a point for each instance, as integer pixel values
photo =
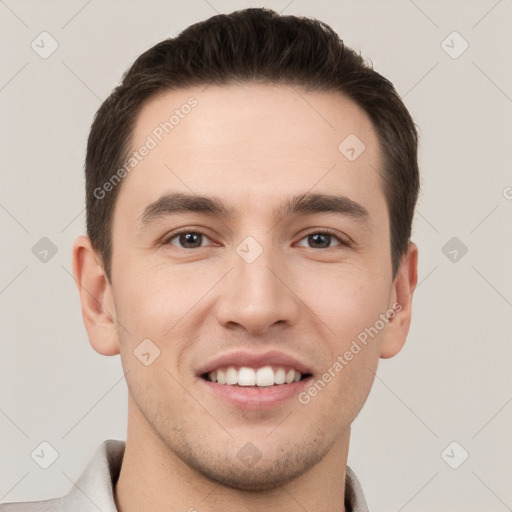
(251, 142)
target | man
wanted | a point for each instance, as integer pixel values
(250, 189)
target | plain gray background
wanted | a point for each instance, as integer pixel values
(452, 380)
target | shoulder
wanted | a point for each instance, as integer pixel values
(52, 505)
(92, 491)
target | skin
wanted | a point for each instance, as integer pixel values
(251, 146)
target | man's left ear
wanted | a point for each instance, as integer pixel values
(394, 335)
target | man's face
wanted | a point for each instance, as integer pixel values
(302, 286)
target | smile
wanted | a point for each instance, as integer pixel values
(254, 380)
(246, 376)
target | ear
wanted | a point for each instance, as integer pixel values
(96, 297)
(395, 333)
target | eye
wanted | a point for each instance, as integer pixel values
(323, 239)
(188, 239)
(315, 240)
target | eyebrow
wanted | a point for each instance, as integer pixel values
(302, 204)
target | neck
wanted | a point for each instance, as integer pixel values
(154, 478)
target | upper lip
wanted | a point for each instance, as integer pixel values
(254, 360)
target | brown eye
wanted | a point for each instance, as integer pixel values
(188, 239)
(322, 240)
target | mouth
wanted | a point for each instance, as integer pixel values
(254, 381)
(263, 377)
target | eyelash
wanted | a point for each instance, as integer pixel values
(324, 231)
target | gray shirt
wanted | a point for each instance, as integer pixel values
(94, 489)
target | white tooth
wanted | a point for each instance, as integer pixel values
(265, 376)
(246, 376)
(290, 376)
(231, 375)
(213, 376)
(221, 377)
(280, 376)
(297, 376)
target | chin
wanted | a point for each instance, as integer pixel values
(263, 478)
(265, 474)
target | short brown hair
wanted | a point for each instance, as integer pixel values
(253, 45)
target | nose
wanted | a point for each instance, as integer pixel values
(258, 295)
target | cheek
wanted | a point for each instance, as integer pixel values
(350, 303)
(340, 391)
(347, 300)
(336, 403)
(153, 298)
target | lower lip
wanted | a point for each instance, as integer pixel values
(257, 398)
